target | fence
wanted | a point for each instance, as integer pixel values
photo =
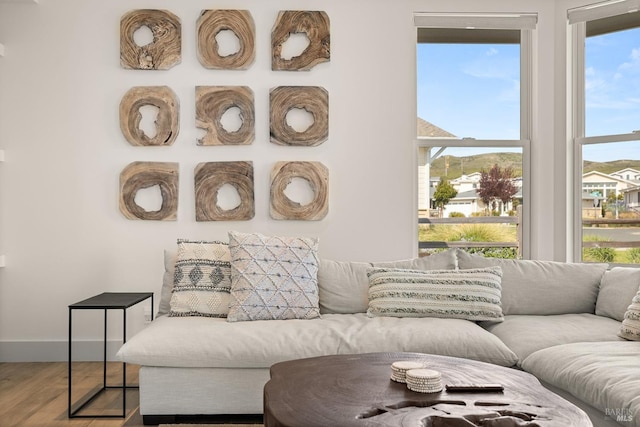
(600, 222)
(607, 222)
(476, 220)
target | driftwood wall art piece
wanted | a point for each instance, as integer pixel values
(314, 100)
(163, 52)
(167, 122)
(211, 104)
(316, 174)
(240, 22)
(315, 24)
(139, 175)
(210, 177)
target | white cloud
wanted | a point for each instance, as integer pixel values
(494, 68)
(492, 51)
(633, 65)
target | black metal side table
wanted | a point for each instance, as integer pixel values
(105, 301)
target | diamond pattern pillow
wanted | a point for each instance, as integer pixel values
(273, 278)
(630, 328)
(472, 294)
(202, 279)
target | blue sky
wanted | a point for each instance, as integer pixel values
(473, 90)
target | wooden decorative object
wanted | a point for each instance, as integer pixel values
(139, 175)
(167, 122)
(314, 100)
(211, 104)
(210, 177)
(315, 25)
(161, 54)
(316, 174)
(240, 22)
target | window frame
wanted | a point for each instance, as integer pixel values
(525, 23)
(577, 19)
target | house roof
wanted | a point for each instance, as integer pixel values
(471, 194)
(605, 176)
(621, 171)
(428, 129)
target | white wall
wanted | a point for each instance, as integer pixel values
(60, 86)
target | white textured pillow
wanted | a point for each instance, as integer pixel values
(273, 278)
(630, 328)
(202, 279)
(472, 294)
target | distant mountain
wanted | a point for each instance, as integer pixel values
(610, 167)
(471, 164)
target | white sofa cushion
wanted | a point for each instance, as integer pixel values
(273, 277)
(619, 286)
(446, 260)
(542, 287)
(458, 294)
(344, 286)
(167, 282)
(525, 334)
(212, 342)
(604, 374)
(202, 279)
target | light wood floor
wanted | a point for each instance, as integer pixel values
(36, 394)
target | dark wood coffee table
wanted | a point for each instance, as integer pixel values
(356, 390)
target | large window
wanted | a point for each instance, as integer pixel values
(606, 131)
(473, 131)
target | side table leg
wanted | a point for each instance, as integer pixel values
(124, 365)
(69, 365)
(104, 352)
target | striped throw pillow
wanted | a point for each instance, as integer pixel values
(472, 294)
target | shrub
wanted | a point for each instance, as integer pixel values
(633, 256)
(456, 215)
(628, 215)
(510, 253)
(597, 254)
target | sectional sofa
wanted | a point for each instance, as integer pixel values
(561, 322)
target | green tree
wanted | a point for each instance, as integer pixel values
(496, 184)
(444, 192)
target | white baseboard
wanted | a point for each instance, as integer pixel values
(56, 351)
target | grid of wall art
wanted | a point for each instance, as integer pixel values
(163, 52)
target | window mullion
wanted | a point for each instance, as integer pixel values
(578, 130)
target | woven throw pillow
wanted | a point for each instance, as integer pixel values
(630, 328)
(202, 279)
(472, 294)
(273, 278)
